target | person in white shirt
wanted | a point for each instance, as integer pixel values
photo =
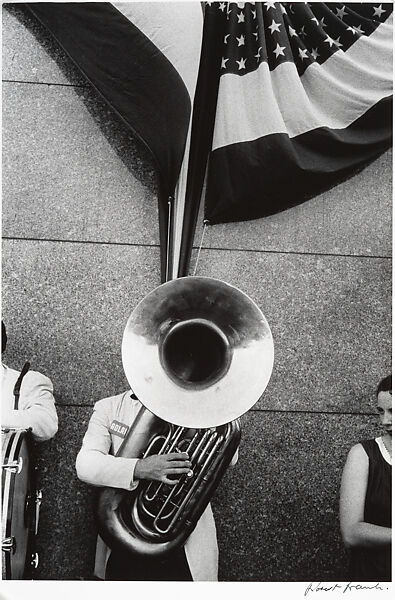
(27, 400)
(97, 465)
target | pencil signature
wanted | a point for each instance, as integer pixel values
(342, 587)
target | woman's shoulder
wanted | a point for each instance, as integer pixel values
(359, 452)
(365, 451)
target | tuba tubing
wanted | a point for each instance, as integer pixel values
(120, 522)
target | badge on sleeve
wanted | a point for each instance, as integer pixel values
(118, 428)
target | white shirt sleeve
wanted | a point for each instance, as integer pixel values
(94, 464)
(36, 408)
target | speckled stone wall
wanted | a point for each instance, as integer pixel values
(80, 249)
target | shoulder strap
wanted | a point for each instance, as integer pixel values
(17, 386)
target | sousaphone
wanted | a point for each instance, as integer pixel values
(198, 353)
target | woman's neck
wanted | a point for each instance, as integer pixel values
(387, 441)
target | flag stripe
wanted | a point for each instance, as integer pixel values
(333, 94)
(130, 72)
(275, 172)
(179, 39)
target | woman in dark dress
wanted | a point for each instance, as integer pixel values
(365, 498)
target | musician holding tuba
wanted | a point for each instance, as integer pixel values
(160, 454)
(97, 465)
(27, 399)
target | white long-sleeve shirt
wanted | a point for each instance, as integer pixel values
(97, 465)
(36, 408)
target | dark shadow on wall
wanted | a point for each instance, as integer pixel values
(129, 148)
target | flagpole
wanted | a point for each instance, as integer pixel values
(176, 219)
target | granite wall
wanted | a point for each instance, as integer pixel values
(81, 248)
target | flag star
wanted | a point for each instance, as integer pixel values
(253, 12)
(274, 26)
(226, 38)
(222, 6)
(302, 32)
(283, 9)
(241, 40)
(269, 5)
(256, 34)
(258, 54)
(241, 4)
(223, 63)
(329, 41)
(292, 31)
(241, 63)
(279, 50)
(359, 30)
(302, 54)
(337, 42)
(322, 22)
(340, 12)
(315, 20)
(315, 53)
(240, 17)
(378, 11)
(352, 30)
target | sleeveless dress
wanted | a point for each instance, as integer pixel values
(374, 564)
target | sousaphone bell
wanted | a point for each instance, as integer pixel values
(198, 353)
